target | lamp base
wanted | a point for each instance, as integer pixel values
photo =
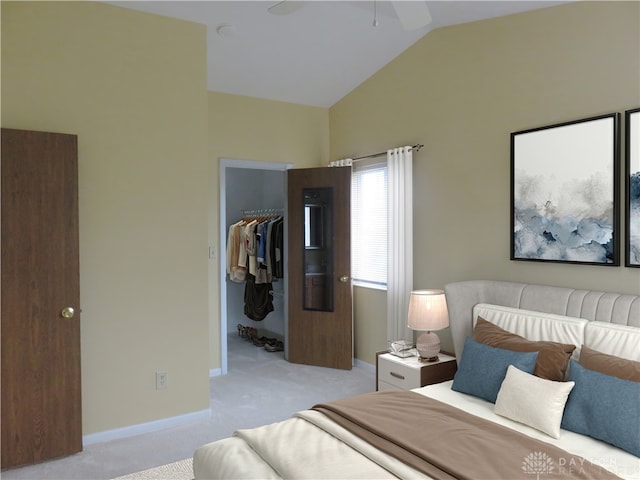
(428, 347)
(422, 359)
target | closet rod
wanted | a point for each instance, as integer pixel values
(258, 212)
(415, 147)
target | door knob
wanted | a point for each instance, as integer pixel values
(344, 278)
(67, 312)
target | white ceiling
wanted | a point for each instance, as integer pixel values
(318, 54)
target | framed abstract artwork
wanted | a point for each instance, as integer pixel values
(632, 197)
(564, 192)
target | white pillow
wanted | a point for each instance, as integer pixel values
(534, 401)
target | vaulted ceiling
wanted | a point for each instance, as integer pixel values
(319, 52)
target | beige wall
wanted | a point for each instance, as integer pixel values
(461, 91)
(246, 128)
(132, 86)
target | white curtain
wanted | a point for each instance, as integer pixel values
(400, 241)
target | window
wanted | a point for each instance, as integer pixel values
(369, 223)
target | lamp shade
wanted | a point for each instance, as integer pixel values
(428, 310)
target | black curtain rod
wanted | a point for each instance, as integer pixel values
(416, 147)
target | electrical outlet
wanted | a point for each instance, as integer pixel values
(162, 380)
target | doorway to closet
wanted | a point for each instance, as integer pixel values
(247, 186)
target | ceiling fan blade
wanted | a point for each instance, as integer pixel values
(412, 14)
(285, 7)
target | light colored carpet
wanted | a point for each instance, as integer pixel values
(180, 470)
(261, 388)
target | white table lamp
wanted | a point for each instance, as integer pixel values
(428, 312)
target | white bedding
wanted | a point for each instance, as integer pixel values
(307, 446)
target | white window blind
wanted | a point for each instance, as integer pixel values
(369, 223)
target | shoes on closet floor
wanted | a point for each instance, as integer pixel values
(250, 333)
(276, 346)
(259, 342)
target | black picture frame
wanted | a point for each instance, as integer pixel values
(632, 190)
(565, 192)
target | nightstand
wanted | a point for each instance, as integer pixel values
(407, 373)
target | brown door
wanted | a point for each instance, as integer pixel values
(41, 416)
(319, 272)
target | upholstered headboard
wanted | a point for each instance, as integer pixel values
(590, 305)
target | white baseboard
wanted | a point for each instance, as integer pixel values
(140, 428)
(215, 372)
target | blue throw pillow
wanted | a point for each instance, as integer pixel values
(604, 407)
(482, 368)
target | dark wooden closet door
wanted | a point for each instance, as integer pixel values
(319, 267)
(41, 397)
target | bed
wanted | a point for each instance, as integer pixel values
(548, 386)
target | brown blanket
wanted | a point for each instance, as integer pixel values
(445, 442)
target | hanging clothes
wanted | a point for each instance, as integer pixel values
(247, 240)
(237, 272)
(278, 248)
(258, 301)
(254, 256)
